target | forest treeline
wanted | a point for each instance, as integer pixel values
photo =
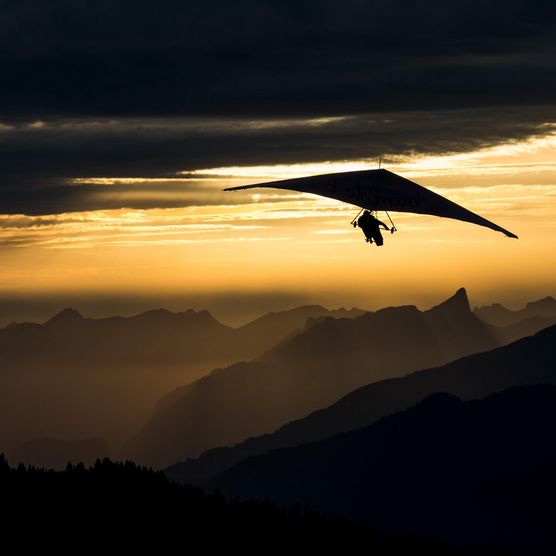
(123, 504)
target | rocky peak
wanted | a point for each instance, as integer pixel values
(66, 316)
(458, 303)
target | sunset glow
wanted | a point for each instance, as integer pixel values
(268, 240)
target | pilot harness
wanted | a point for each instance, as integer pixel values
(392, 229)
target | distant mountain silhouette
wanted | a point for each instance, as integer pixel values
(65, 317)
(528, 361)
(498, 315)
(49, 453)
(271, 329)
(523, 328)
(305, 372)
(477, 472)
(158, 336)
(266, 331)
(76, 377)
(445, 332)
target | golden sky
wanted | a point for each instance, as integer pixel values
(270, 240)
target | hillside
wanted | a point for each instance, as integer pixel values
(528, 361)
(477, 472)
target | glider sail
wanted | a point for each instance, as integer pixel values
(380, 190)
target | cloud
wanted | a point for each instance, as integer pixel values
(63, 166)
(256, 57)
(149, 90)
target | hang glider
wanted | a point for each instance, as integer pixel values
(378, 190)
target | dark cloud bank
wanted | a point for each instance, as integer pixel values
(150, 89)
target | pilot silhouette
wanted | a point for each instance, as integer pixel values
(371, 228)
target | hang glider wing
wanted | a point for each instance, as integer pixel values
(380, 190)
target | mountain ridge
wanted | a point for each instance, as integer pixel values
(498, 315)
(72, 365)
(465, 472)
(470, 377)
(310, 370)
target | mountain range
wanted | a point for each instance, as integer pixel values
(499, 315)
(76, 378)
(305, 372)
(531, 360)
(468, 473)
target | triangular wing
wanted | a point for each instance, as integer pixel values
(380, 190)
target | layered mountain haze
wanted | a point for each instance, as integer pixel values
(499, 315)
(306, 372)
(445, 332)
(56, 376)
(477, 472)
(267, 330)
(530, 360)
(74, 378)
(526, 327)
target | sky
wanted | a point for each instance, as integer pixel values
(121, 123)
